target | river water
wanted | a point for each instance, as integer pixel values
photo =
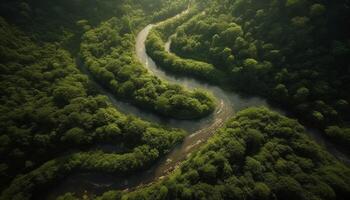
(199, 131)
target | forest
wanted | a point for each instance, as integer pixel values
(297, 60)
(259, 154)
(138, 76)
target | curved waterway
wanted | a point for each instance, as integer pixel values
(199, 131)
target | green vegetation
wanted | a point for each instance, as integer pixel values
(59, 21)
(108, 52)
(53, 121)
(259, 154)
(48, 108)
(52, 171)
(66, 20)
(166, 9)
(292, 52)
(155, 48)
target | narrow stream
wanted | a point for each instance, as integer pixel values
(199, 130)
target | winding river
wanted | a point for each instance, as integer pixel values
(229, 103)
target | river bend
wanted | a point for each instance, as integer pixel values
(229, 103)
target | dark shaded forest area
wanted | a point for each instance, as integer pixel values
(53, 118)
(292, 52)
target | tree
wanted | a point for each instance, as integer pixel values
(208, 173)
(301, 94)
(231, 33)
(317, 10)
(254, 139)
(288, 188)
(253, 166)
(317, 116)
(261, 191)
(235, 151)
(63, 94)
(280, 92)
(110, 131)
(111, 195)
(341, 134)
(240, 43)
(292, 2)
(67, 196)
(163, 192)
(42, 140)
(76, 136)
(192, 176)
(250, 63)
(300, 21)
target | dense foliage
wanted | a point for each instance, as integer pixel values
(259, 154)
(49, 109)
(66, 20)
(53, 121)
(62, 21)
(292, 52)
(156, 49)
(108, 52)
